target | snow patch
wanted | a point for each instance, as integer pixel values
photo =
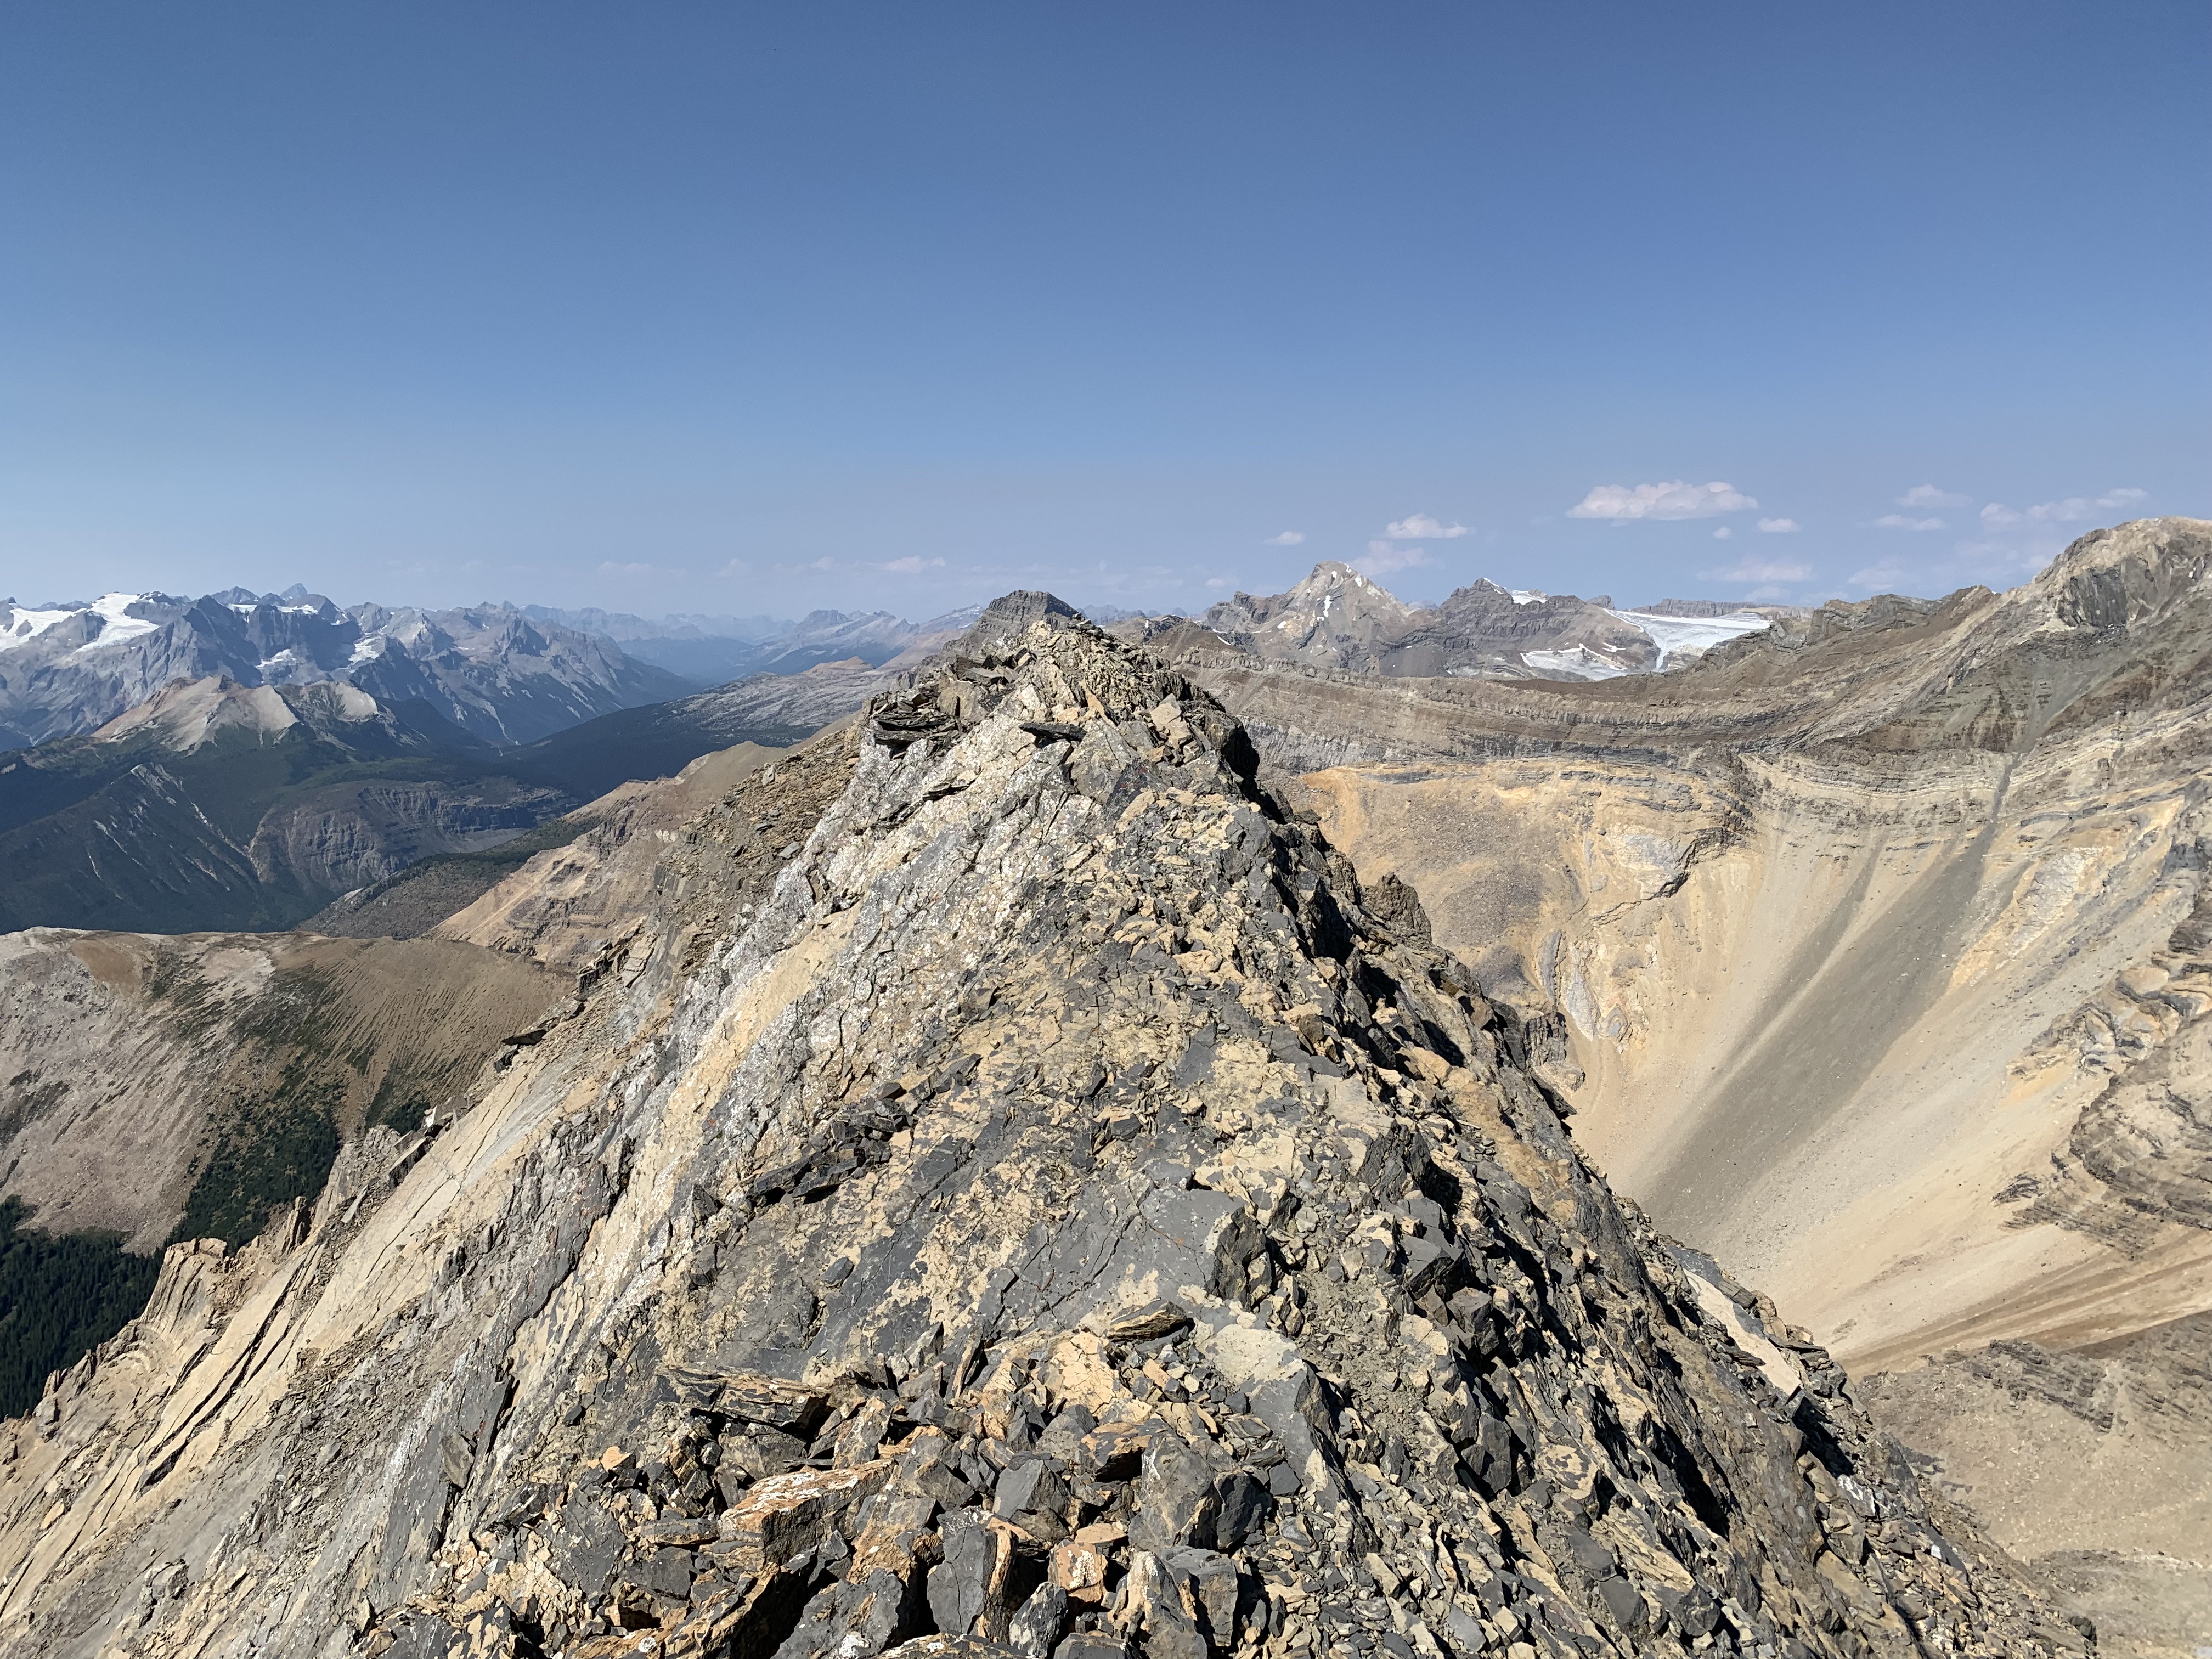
(1690, 637)
(1526, 595)
(24, 626)
(367, 648)
(117, 624)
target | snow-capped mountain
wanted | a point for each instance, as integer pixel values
(491, 669)
(1339, 618)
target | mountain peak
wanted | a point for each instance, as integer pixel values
(1009, 1180)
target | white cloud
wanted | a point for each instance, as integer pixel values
(1218, 581)
(1902, 521)
(1780, 526)
(1288, 539)
(1928, 495)
(1751, 569)
(609, 567)
(735, 567)
(1623, 504)
(1882, 578)
(1421, 527)
(914, 564)
(1386, 558)
(1769, 592)
(1722, 533)
(2071, 510)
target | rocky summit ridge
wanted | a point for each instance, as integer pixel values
(1054, 1210)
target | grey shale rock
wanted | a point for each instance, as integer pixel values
(1219, 1283)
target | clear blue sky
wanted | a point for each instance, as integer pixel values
(734, 309)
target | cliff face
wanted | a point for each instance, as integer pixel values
(1041, 1202)
(1880, 946)
(1880, 942)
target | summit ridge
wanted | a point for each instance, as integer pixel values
(1011, 1188)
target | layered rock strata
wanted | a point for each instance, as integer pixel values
(1879, 941)
(1058, 1214)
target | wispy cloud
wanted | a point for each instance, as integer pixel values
(1925, 496)
(1627, 503)
(1287, 538)
(1419, 526)
(1904, 521)
(1885, 578)
(611, 567)
(914, 564)
(1753, 569)
(1387, 558)
(1780, 526)
(1722, 534)
(2073, 509)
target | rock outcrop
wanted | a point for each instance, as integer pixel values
(1052, 1212)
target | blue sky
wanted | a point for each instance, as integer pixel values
(739, 309)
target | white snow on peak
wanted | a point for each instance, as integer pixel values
(116, 625)
(367, 648)
(1690, 637)
(27, 625)
(1326, 600)
(1526, 595)
(244, 610)
(287, 657)
(304, 609)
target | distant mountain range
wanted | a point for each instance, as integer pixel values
(490, 670)
(506, 674)
(221, 804)
(713, 650)
(246, 762)
(1339, 618)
